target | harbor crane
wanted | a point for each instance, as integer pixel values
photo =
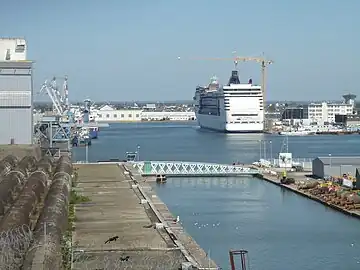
(60, 99)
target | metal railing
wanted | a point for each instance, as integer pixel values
(183, 168)
(306, 163)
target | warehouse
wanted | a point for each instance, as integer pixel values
(335, 166)
(16, 113)
(109, 114)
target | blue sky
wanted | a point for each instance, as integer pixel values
(127, 50)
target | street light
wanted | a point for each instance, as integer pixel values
(86, 152)
(270, 142)
(260, 141)
(264, 149)
(138, 152)
(330, 161)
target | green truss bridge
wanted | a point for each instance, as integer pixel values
(184, 168)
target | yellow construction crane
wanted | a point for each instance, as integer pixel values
(262, 60)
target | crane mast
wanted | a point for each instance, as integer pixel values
(60, 100)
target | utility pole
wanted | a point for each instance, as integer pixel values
(265, 149)
(86, 152)
(260, 149)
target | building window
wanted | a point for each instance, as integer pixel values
(122, 115)
(100, 115)
(108, 115)
(137, 115)
(130, 115)
(115, 115)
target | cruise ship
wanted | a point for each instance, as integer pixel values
(234, 108)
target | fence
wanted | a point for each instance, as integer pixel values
(306, 163)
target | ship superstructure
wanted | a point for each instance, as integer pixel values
(235, 107)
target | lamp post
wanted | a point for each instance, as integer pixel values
(260, 142)
(86, 152)
(138, 152)
(270, 142)
(264, 149)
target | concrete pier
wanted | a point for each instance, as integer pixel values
(191, 250)
(120, 207)
(300, 176)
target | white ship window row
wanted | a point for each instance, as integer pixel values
(243, 122)
(245, 114)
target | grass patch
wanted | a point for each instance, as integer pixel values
(67, 245)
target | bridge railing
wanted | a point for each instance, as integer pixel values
(182, 168)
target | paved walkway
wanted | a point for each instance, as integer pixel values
(115, 209)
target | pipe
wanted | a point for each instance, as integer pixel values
(7, 163)
(46, 164)
(14, 181)
(45, 252)
(25, 206)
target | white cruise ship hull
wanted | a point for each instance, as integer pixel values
(218, 123)
(236, 107)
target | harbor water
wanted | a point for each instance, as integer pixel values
(280, 229)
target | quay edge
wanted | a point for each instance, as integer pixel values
(271, 179)
(188, 246)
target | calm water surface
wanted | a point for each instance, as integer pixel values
(280, 229)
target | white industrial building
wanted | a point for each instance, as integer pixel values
(13, 49)
(110, 114)
(325, 112)
(335, 166)
(16, 92)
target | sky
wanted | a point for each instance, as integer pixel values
(118, 50)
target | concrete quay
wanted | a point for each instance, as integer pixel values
(188, 246)
(118, 207)
(300, 176)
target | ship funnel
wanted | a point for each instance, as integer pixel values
(250, 81)
(234, 79)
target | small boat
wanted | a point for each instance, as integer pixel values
(160, 178)
(298, 132)
(93, 131)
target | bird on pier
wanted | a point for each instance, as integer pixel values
(125, 258)
(111, 239)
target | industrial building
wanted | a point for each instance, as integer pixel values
(325, 112)
(335, 166)
(348, 120)
(16, 92)
(297, 113)
(109, 114)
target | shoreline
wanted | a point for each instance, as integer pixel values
(188, 246)
(271, 179)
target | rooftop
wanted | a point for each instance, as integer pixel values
(349, 160)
